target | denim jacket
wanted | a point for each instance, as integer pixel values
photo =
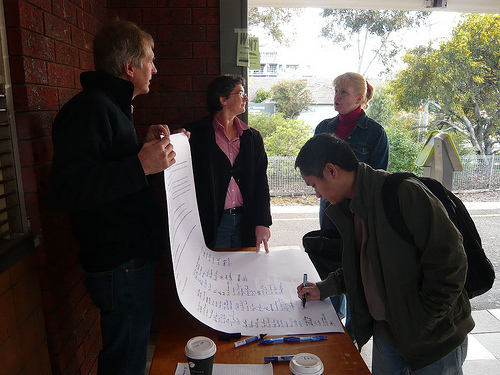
(368, 140)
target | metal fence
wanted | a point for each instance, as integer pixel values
(284, 179)
(480, 173)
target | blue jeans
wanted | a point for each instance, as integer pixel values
(229, 231)
(387, 361)
(124, 295)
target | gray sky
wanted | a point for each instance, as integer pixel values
(327, 60)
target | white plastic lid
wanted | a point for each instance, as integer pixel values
(200, 347)
(306, 364)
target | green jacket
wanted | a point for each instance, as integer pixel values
(428, 308)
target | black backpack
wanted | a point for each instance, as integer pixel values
(480, 272)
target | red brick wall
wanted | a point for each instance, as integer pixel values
(50, 44)
(23, 345)
(186, 34)
(187, 49)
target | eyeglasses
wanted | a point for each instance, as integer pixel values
(242, 94)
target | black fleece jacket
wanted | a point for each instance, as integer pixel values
(212, 172)
(98, 178)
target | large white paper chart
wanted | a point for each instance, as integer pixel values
(245, 292)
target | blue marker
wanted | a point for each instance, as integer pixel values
(304, 339)
(249, 340)
(278, 340)
(304, 296)
(280, 358)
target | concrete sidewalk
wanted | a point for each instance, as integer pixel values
(311, 209)
(483, 354)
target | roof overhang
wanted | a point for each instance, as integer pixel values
(460, 6)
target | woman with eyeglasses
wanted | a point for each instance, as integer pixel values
(229, 166)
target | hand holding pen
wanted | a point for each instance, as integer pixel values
(310, 291)
(304, 296)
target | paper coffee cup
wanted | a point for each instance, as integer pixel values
(306, 364)
(200, 352)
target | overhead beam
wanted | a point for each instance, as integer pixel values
(460, 6)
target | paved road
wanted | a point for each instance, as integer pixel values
(292, 222)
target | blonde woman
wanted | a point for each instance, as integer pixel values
(365, 136)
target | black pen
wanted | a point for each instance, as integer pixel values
(304, 296)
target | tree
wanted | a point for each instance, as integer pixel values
(461, 80)
(372, 30)
(404, 147)
(273, 20)
(381, 106)
(291, 97)
(265, 123)
(261, 95)
(402, 129)
(404, 151)
(282, 137)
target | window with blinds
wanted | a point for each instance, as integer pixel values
(10, 218)
(13, 222)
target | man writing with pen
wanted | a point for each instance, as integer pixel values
(409, 297)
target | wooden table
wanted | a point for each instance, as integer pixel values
(338, 353)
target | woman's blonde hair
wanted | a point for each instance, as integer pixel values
(359, 85)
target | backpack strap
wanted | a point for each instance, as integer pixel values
(390, 201)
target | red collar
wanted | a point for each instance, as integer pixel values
(351, 116)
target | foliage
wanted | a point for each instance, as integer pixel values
(400, 128)
(291, 97)
(282, 137)
(261, 95)
(460, 81)
(371, 29)
(461, 143)
(384, 110)
(381, 106)
(265, 123)
(272, 20)
(404, 151)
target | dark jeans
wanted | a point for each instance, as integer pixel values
(339, 302)
(324, 221)
(229, 232)
(124, 295)
(342, 309)
(386, 360)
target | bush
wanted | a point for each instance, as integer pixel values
(261, 95)
(403, 152)
(282, 137)
(291, 97)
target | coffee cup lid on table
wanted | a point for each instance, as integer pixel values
(306, 364)
(200, 347)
